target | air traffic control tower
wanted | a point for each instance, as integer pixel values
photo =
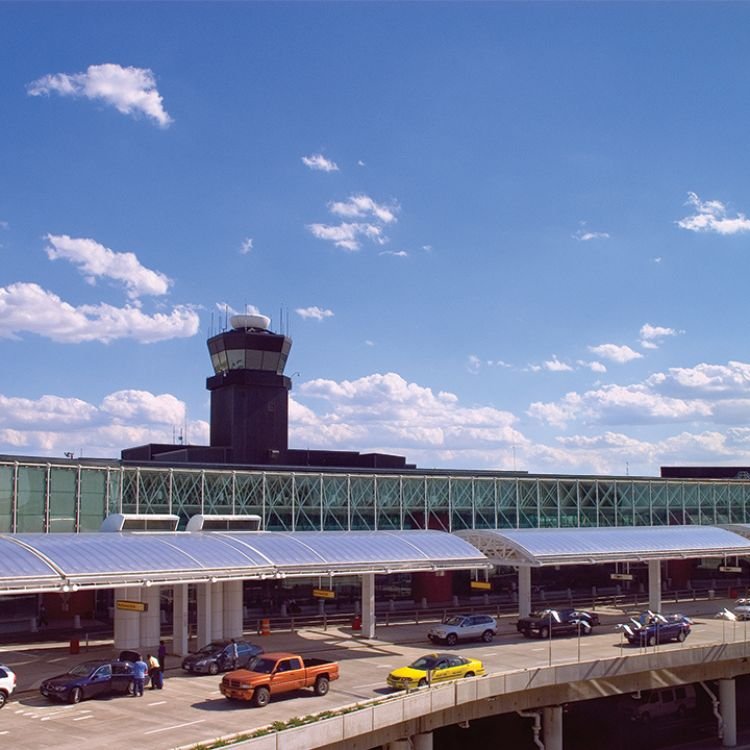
(249, 391)
(250, 410)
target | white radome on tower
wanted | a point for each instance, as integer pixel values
(239, 322)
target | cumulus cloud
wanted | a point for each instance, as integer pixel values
(247, 246)
(316, 313)
(395, 253)
(706, 381)
(96, 261)
(28, 308)
(555, 365)
(53, 424)
(385, 412)
(131, 91)
(359, 206)
(348, 234)
(594, 365)
(651, 336)
(712, 216)
(586, 235)
(615, 353)
(319, 163)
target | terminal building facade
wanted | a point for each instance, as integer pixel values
(249, 469)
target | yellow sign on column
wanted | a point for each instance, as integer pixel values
(131, 606)
(481, 585)
(324, 594)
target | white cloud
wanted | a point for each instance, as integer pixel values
(53, 424)
(385, 412)
(584, 235)
(316, 313)
(395, 253)
(247, 246)
(132, 91)
(28, 308)
(711, 216)
(651, 336)
(555, 365)
(347, 235)
(705, 381)
(319, 163)
(360, 206)
(594, 366)
(474, 364)
(615, 353)
(96, 261)
(360, 163)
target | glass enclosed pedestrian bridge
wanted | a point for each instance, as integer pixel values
(75, 495)
(68, 495)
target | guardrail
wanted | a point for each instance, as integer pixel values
(386, 616)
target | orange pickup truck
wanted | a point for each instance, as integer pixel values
(278, 673)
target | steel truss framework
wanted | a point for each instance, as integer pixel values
(76, 496)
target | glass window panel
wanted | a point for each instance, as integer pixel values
(6, 498)
(31, 498)
(253, 359)
(62, 499)
(236, 359)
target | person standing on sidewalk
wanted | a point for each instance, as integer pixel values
(162, 656)
(140, 669)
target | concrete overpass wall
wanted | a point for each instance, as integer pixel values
(385, 720)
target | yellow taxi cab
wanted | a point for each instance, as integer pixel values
(432, 668)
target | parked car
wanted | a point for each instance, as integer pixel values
(432, 668)
(89, 679)
(7, 683)
(742, 609)
(652, 628)
(272, 674)
(464, 628)
(217, 657)
(567, 621)
(653, 704)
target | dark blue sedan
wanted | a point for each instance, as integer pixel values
(656, 628)
(88, 680)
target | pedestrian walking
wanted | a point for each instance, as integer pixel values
(161, 654)
(153, 671)
(140, 670)
(234, 654)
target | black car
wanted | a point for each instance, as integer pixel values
(89, 679)
(217, 657)
(566, 621)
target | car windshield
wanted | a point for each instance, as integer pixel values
(265, 666)
(212, 648)
(454, 621)
(425, 663)
(82, 670)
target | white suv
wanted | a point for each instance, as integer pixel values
(7, 683)
(464, 628)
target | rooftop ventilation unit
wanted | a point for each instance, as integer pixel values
(223, 523)
(139, 522)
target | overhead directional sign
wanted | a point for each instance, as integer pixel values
(131, 606)
(621, 576)
(324, 594)
(730, 569)
(481, 585)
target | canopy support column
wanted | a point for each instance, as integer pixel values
(552, 727)
(217, 611)
(150, 619)
(203, 596)
(232, 610)
(728, 708)
(368, 605)
(654, 585)
(524, 590)
(180, 619)
(127, 622)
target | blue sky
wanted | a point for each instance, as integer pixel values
(504, 235)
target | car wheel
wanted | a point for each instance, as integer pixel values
(3, 698)
(469, 674)
(544, 633)
(261, 697)
(651, 640)
(487, 636)
(131, 688)
(681, 637)
(321, 685)
(452, 639)
(76, 695)
(422, 683)
(213, 668)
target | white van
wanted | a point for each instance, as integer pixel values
(652, 704)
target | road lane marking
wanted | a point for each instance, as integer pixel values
(175, 726)
(81, 718)
(157, 703)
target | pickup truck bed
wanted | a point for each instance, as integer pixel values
(276, 673)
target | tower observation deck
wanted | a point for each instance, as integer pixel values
(249, 391)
